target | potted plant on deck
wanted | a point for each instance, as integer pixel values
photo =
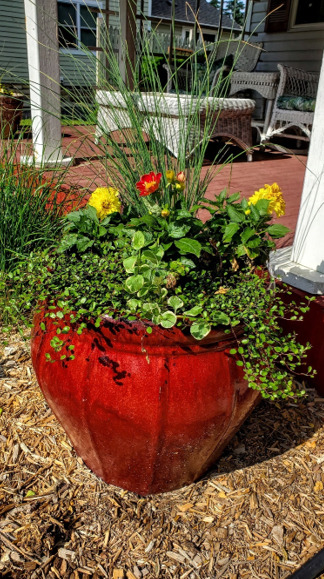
(10, 111)
(158, 332)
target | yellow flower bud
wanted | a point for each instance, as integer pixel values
(165, 213)
(170, 175)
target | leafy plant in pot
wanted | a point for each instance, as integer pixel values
(157, 333)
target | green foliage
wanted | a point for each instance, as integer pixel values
(232, 8)
(30, 208)
(241, 232)
(156, 261)
(235, 9)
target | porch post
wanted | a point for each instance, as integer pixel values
(302, 265)
(127, 45)
(44, 81)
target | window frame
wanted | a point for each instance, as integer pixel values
(78, 4)
(307, 25)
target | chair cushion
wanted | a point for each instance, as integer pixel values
(296, 103)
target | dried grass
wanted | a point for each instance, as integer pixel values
(258, 514)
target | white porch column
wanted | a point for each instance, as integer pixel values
(44, 79)
(302, 265)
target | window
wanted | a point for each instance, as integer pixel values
(309, 12)
(283, 15)
(77, 23)
(208, 37)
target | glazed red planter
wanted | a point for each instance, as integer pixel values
(146, 412)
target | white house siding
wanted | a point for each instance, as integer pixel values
(297, 48)
(114, 5)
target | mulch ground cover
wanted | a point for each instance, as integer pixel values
(258, 514)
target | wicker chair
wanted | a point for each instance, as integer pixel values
(293, 108)
(237, 54)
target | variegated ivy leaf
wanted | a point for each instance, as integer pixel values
(175, 302)
(146, 271)
(133, 304)
(168, 319)
(138, 240)
(129, 263)
(143, 291)
(200, 330)
(151, 256)
(134, 283)
(195, 311)
(164, 292)
(221, 318)
(150, 308)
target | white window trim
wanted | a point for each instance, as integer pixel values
(183, 33)
(309, 26)
(96, 4)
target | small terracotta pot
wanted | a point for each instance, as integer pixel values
(146, 412)
(10, 114)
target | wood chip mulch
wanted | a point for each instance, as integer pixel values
(258, 514)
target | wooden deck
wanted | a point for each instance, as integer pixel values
(267, 167)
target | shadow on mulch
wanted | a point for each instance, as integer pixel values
(270, 431)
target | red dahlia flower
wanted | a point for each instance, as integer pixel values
(149, 183)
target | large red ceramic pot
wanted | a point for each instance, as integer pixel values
(146, 412)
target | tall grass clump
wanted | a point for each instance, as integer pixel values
(31, 206)
(142, 115)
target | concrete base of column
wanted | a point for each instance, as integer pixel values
(308, 280)
(50, 163)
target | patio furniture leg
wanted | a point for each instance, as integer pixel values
(232, 119)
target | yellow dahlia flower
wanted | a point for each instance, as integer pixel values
(273, 194)
(105, 200)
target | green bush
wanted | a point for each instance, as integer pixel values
(31, 207)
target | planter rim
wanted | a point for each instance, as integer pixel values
(166, 339)
(113, 331)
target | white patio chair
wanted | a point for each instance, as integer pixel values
(293, 109)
